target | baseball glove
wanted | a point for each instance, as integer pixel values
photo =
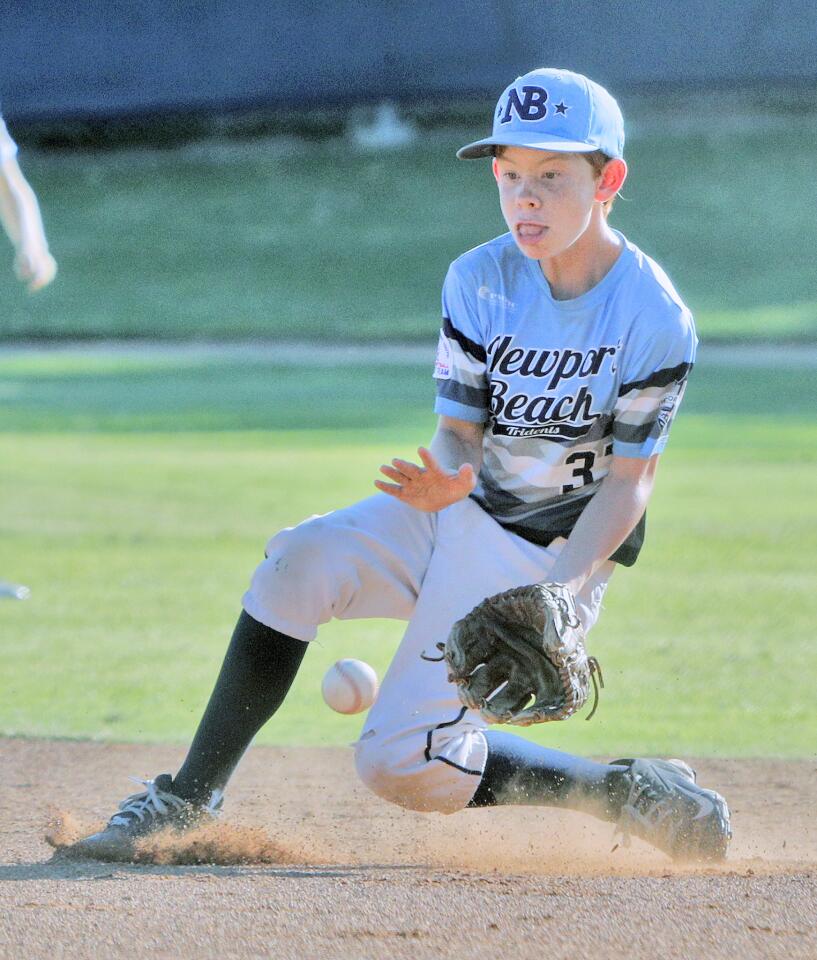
(519, 656)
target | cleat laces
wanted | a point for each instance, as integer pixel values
(657, 807)
(651, 808)
(150, 804)
(645, 805)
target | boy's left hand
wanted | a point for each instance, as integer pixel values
(35, 267)
(431, 487)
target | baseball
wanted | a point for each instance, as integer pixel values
(349, 686)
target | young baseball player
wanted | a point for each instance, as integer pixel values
(562, 360)
(20, 215)
(33, 263)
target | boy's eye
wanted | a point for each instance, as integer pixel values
(549, 175)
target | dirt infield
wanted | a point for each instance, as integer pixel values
(349, 876)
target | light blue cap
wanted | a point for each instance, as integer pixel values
(554, 110)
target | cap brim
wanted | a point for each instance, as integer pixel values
(485, 148)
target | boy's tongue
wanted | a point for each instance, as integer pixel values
(530, 231)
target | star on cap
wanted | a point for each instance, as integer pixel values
(562, 108)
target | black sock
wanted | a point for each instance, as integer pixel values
(521, 772)
(258, 670)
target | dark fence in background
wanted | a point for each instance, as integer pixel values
(102, 58)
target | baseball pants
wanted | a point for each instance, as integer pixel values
(419, 747)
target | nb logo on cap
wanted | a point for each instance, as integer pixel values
(530, 107)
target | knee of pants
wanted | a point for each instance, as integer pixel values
(402, 771)
(307, 569)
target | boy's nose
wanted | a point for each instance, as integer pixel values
(526, 197)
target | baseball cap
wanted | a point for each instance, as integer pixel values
(557, 110)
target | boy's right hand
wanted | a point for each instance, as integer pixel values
(430, 487)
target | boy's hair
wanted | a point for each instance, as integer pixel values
(597, 160)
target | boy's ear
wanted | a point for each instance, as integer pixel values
(612, 178)
(495, 168)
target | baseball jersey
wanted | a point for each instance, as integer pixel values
(561, 385)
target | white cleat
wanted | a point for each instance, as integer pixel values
(667, 808)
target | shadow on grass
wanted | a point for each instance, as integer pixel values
(217, 396)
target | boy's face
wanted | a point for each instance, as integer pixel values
(547, 199)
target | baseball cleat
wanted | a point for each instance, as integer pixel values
(140, 814)
(667, 808)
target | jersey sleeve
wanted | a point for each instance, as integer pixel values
(654, 378)
(8, 148)
(460, 368)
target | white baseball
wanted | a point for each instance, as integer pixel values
(350, 686)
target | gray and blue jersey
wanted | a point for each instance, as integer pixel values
(562, 386)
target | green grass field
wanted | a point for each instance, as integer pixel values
(137, 494)
(285, 239)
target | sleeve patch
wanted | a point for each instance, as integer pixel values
(442, 365)
(666, 409)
